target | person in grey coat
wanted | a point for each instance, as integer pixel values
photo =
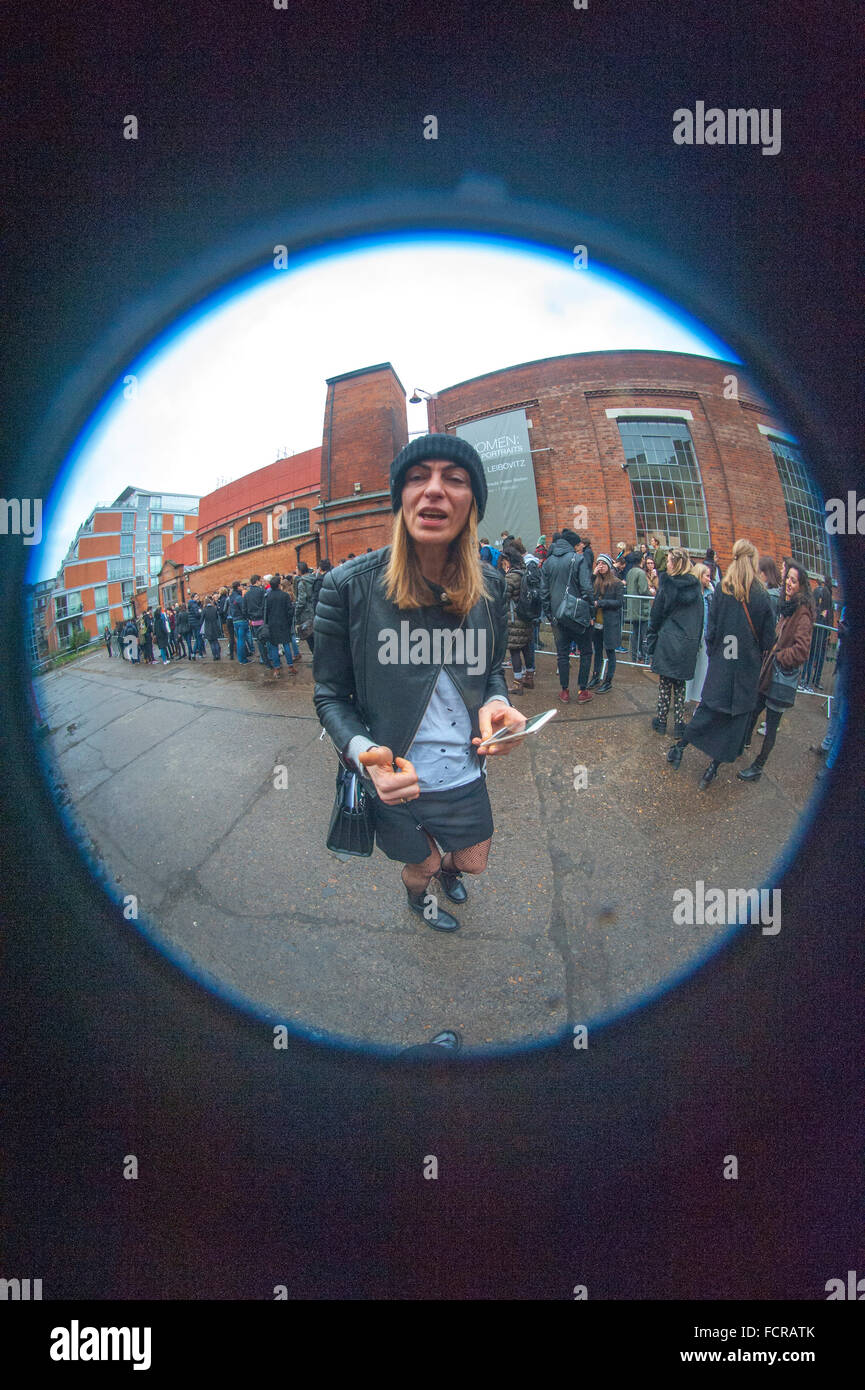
(304, 611)
(637, 608)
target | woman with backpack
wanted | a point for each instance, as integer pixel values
(782, 668)
(738, 633)
(607, 621)
(521, 642)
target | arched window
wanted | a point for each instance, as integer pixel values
(249, 536)
(294, 522)
(216, 548)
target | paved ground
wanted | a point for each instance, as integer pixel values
(170, 773)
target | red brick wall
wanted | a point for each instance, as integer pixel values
(584, 464)
(364, 429)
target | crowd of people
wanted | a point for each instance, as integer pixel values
(268, 616)
(682, 616)
(413, 739)
(739, 646)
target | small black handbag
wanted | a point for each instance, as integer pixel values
(351, 833)
(573, 612)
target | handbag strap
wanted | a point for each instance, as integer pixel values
(750, 624)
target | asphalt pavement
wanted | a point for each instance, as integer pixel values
(171, 775)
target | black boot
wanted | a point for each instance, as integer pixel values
(679, 729)
(438, 919)
(708, 776)
(752, 773)
(595, 681)
(674, 754)
(451, 881)
(605, 686)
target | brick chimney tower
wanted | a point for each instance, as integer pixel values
(365, 426)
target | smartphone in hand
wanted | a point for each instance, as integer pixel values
(511, 735)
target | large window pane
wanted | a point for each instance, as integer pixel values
(249, 536)
(216, 548)
(665, 482)
(294, 523)
(806, 513)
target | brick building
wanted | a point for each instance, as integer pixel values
(653, 442)
(116, 555)
(621, 445)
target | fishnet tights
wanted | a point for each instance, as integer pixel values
(472, 860)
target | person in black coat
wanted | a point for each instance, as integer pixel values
(196, 647)
(607, 624)
(740, 630)
(148, 637)
(182, 629)
(278, 617)
(566, 568)
(253, 612)
(212, 627)
(162, 633)
(675, 629)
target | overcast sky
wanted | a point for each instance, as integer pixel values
(243, 381)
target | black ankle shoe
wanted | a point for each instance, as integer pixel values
(659, 725)
(439, 920)
(604, 687)
(674, 755)
(596, 680)
(750, 774)
(708, 776)
(452, 883)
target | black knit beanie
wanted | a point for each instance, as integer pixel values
(439, 446)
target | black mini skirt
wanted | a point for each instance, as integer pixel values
(456, 819)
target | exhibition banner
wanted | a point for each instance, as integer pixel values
(512, 505)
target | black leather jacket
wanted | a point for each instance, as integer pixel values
(355, 693)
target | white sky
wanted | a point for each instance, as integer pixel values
(245, 380)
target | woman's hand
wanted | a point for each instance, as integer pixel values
(493, 717)
(392, 787)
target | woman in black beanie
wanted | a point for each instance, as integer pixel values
(409, 645)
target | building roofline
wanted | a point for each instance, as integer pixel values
(364, 371)
(603, 352)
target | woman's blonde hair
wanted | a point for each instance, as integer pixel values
(463, 578)
(742, 571)
(699, 570)
(681, 560)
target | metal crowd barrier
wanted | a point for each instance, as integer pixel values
(636, 612)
